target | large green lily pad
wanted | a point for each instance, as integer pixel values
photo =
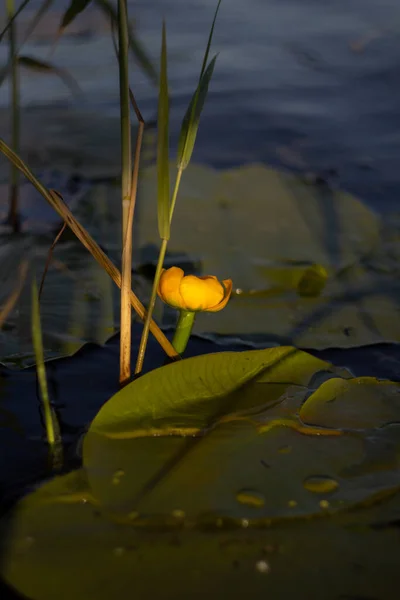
(227, 469)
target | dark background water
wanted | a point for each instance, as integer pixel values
(313, 86)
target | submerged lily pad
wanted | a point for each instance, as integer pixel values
(76, 306)
(61, 545)
(186, 467)
(311, 266)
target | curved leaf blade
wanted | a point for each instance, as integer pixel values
(73, 10)
(191, 120)
(196, 391)
(42, 66)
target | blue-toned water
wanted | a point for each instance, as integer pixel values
(313, 86)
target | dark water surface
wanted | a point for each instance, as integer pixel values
(309, 85)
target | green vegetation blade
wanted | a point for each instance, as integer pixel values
(13, 216)
(73, 10)
(50, 419)
(11, 19)
(137, 49)
(162, 192)
(207, 52)
(163, 146)
(191, 120)
(43, 8)
(42, 66)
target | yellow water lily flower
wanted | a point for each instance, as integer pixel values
(191, 293)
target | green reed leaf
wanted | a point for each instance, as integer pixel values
(74, 9)
(50, 418)
(137, 49)
(163, 145)
(42, 66)
(190, 123)
(191, 120)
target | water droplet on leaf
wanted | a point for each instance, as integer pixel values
(118, 475)
(250, 498)
(320, 484)
(262, 566)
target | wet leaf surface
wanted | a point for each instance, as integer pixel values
(265, 480)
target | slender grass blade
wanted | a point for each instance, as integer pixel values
(191, 120)
(163, 145)
(51, 424)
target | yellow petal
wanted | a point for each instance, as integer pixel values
(227, 283)
(168, 287)
(201, 293)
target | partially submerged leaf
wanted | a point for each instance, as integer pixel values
(362, 403)
(232, 424)
(265, 229)
(235, 499)
(58, 530)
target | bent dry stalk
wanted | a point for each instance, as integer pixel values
(127, 210)
(56, 202)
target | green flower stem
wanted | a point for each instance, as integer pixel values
(160, 263)
(183, 330)
(146, 328)
(175, 194)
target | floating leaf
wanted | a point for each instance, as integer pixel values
(145, 501)
(313, 281)
(362, 403)
(198, 388)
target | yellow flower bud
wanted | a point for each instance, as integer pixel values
(193, 293)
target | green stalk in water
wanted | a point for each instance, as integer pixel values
(50, 419)
(13, 216)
